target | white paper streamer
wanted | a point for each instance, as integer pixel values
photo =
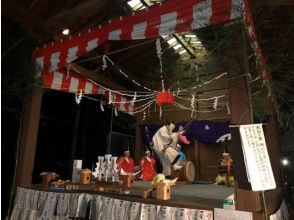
(104, 66)
(134, 98)
(228, 109)
(110, 97)
(101, 106)
(78, 97)
(162, 83)
(159, 53)
(215, 103)
(192, 105)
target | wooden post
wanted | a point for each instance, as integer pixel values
(28, 138)
(85, 131)
(197, 160)
(73, 149)
(241, 113)
(138, 148)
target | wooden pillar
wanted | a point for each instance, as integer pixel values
(72, 155)
(138, 147)
(28, 138)
(273, 198)
(197, 160)
(85, 131)
(241, 113)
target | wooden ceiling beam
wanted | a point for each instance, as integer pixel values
(258, 3)
(132, 53)
(30, 22)
(73, 15)
(103, 80)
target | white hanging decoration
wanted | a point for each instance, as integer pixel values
(215, 103)
(144, 116)
(162, 83)
(134, 98)
(38, 71)
(125, 75)
(101, 106)
(192, 105)
(159, 53)
(78, 97)
(197, 77)
(178, 92)
(104, 66)
(228, 109)
(269, 91)
(160, 113)
(115, 112)
(110, 97)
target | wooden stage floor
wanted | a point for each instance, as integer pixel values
(198, 196)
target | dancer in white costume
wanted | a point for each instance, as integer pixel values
(165, 142)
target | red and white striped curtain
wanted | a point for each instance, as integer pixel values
(70, 82)
(170, 17)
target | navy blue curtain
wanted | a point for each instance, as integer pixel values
(208, 132)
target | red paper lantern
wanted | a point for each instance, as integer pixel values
(164, 97)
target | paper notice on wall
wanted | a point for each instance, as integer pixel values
(106, 209)
(226, 214)
(202, 215)
(166, 213)
(259, 169)
(281, 214)
(148, 212)
(120, 209)
(183, 214)
(173, 213)
(135, 210)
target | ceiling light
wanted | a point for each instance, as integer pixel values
(285, 162)
(177, 46)
(190, 35)
(195, 42)
(143, 7)
(65, 31)
(133, 3)
(171, 41)
(182, 52)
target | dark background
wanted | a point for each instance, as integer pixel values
(66, 130)
(62, 119)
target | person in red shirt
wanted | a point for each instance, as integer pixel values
(147, 165)
(125, 164)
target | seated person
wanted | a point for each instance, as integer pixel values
(125, 163)
(225, 166)
(181, 153)
(148, 167)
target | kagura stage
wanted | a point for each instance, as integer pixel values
(188, 201)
